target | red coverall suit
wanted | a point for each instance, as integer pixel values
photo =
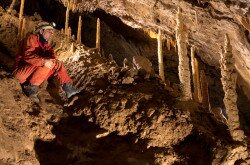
(31, 59)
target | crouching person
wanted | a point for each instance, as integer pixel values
(36, 62)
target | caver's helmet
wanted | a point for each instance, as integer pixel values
(45, 25)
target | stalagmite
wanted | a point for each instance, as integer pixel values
(196, 76)
(183, 68)
(204, 91)
(21, 9)
(125, 63)
(67, 20)
(73, 37)
(228, 79)
(69, 34)
(79, 30)
(98, 31)
(71, 50)
(59, 48)
(11, 6)
(160, 56)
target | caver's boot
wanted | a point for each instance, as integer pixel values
(31, 92)
(69, 90)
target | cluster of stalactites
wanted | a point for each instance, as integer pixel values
(81, 5)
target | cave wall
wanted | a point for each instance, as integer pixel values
(122, 41)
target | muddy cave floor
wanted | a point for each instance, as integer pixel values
(49, 133)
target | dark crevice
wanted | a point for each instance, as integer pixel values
(195, 150)
(47, 11)
(5, 3)
(4, 50)
(243, 106)
(247, 35)
(198, 3)
(119, 27)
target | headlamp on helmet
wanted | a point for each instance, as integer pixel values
(45, 25)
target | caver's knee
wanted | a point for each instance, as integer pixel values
(21, 79)
(58, 64)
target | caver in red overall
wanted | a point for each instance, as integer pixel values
(31, 65)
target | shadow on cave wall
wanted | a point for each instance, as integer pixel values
(76, 143)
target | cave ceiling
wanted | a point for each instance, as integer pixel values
(207, 22)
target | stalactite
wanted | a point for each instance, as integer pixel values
(244, 22)
(11, 6)
(98, 32)
(196, 76)
(160, 56)
(23, 28)
(168, 43)
(71, 4)
(19, 35)
(64, 2)
(74, 6)
(183, 68)
(196, 17)
(150, 33)
(79, 30)
(228, 79)
(174, 45)
(21, 9)
(67, 20)
(204, 91)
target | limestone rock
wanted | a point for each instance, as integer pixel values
(143, 65)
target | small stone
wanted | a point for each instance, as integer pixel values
(111, 95)
(128, 80)
(100, 91)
